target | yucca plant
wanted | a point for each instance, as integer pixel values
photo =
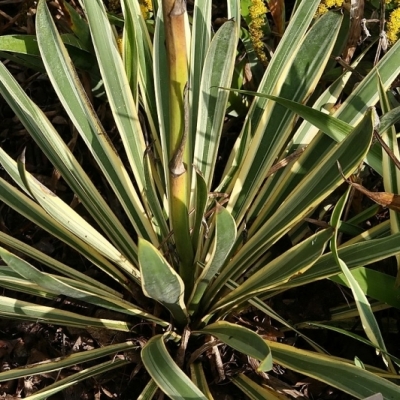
(198, 245)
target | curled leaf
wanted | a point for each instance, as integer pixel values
(384, 199)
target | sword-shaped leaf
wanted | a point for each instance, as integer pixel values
(168, 376)
(160, 282)
(242, 339)
(335, 372)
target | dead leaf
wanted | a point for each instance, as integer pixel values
(356, 15)
(385, 199)
(277, 9)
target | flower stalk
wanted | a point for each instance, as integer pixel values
(178, 153)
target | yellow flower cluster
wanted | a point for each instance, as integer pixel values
(146, 6)
(326, 4)
(393, 24)
(257, 12)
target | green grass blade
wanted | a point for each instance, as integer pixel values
(152, 199)
(27, 46)
(201, 199)
(22, 44)
(332, 126)
(168, 376)
(160, 282)
(353, 336)
(235, 160)
(263, 307)
(389, 119)
(325, 102)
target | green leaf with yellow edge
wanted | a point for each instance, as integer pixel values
(225, 236)
(353, 336)
(200, 40)
(242, 339)
(160, 77)
(54, 264)
(62, 384)
(199, 378)
(22, 310)
(315, 186)
(255, 391)
(64, 214)
(364, 252)
(138, 50)
(72, 95)
(217, 71)
(55, 364)
(295, 77)
(117, 86)
(80, 292)
(333, 371)
(374, 284)
(164, 371)
(368, 320)
(390, 172)
(290, 264)
(149, 391)
(161, 282)
(25, 206)
(201, 199)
